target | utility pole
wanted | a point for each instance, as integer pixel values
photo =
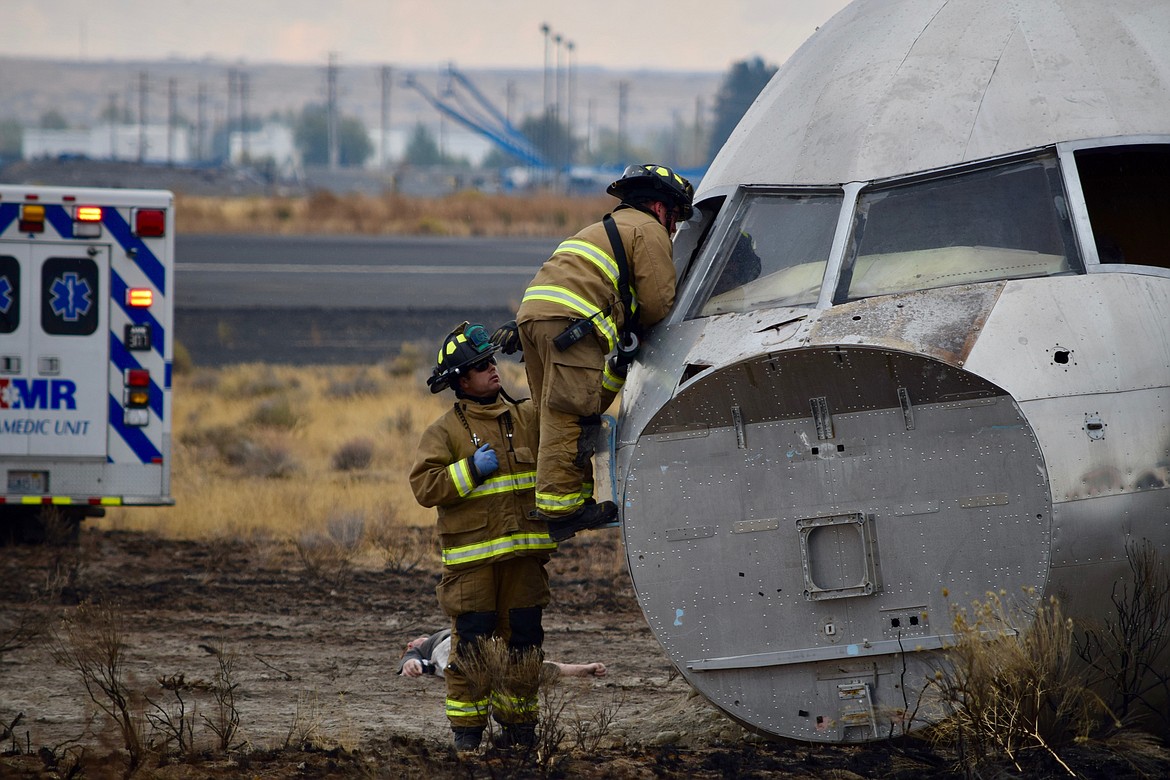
(623, 92)
(142, 116)
(590, 118)
(115, 119)
(569, 129)
(331, 112)
(171, 112)
(231, 115)
(697, 153)
(244, 145)
(201, 119)
(385, 132)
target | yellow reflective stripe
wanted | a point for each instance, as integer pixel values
(600, 258)
(612, 381)
(555, 502)
(522, 480)
(466, 709)
(502, 545)
(460, 473)
(576, 303)
(69, 501)
(515, 705)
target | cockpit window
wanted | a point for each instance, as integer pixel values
(1128, 202)
(774, 254)
(1006, 222)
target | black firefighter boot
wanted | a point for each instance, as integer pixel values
(467, 739)
(591, 515)
(516, 735)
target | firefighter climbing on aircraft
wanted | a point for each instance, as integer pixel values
(595, 294)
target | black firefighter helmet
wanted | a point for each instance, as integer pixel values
(655, 182)
(465, 346)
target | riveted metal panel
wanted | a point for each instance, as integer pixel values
(714, 530)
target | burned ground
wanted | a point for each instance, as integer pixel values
(313, 644)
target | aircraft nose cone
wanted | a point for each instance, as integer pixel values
(819, 502)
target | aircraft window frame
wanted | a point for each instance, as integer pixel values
(718, 246)
(692, 236)
(1071, 153)
(1005, 262)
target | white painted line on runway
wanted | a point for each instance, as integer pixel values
(303, 268)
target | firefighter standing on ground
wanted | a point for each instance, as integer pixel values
(477, 465)
(580, 307)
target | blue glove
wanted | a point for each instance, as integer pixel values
(484, 460)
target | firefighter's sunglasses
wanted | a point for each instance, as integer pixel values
(483, 365)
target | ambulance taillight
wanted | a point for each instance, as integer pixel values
(150, 223)
(136, 397)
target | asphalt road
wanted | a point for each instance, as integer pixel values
(340, 299)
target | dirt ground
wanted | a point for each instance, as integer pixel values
(314, 649)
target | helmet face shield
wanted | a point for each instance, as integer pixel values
(466, 347)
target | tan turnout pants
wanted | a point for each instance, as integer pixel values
(566, 387)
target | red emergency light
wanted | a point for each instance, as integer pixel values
(150, 223)
(88, 213)
(137, 377)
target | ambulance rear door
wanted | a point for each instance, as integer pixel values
(54, 392)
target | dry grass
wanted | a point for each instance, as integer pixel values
(462, 214)
(1014, 693)
(273, 451)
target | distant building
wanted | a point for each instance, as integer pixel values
(146, 143)
(456, 143)
(273, 144)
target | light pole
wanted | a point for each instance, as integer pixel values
(544, 29)
(558, 136)
(569, 107)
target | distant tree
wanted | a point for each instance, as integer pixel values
(551, 138)
(53, 120)
(115, 114)
(498, 158)
(422, 149)
(740, 87)
(311, 133)
(607, 152)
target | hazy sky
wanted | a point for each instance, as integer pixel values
(703, 35)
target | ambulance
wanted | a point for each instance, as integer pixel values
(86, 336)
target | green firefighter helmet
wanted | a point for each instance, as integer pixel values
(463, 347)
